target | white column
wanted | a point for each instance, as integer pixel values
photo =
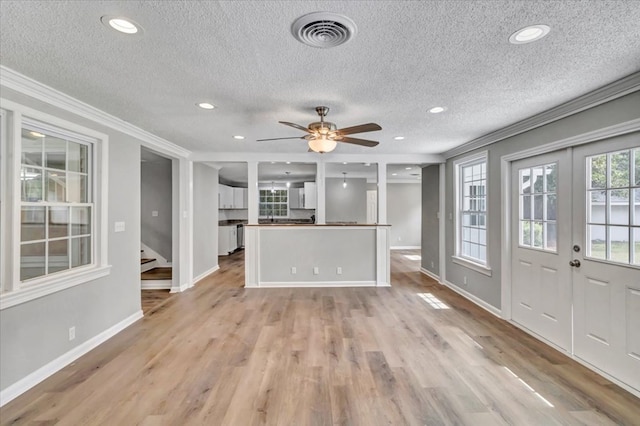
(321, 196)
(183, 216)
(382, 193)
(252, 192)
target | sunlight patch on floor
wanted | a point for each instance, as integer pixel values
(528, 387)
(413, 256)
(432, 300)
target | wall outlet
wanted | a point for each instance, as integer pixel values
(72, 333)
(118, 227)
(432, 265)
(293, 270)
(154, 213)
(464, 280)
(316, 270)
(339, 270)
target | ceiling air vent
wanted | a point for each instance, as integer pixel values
(323, 29)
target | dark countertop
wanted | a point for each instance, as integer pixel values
(318, 225)
(232, 222)
(285, 222)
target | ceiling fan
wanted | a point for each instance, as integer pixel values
(323, 136)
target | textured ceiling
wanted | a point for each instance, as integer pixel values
(407, 57)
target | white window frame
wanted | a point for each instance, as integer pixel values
(458, 258)
(13, 291)
(277, 188)
(4, 241)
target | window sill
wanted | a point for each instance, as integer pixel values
(50, 285)
(472, 265)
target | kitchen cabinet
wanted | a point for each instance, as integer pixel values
(296, 196)
(225, 197)
(239, 198)
(227, 239)
(310, 195)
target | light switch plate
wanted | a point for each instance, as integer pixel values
(154, 213)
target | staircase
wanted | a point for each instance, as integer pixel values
(153, 276)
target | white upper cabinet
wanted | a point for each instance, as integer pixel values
(225, 197)
(310, 195)
(239, 198)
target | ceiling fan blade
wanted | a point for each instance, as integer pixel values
(277, 139)
(356, 141)
(295, 126)
(369, 127)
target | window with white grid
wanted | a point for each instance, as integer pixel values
(471, 211)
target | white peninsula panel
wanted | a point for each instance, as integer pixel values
(317, 256)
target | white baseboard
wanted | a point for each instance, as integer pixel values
(404, 247)
(431, 275)
(312, 284)
(179, 289)
(21, 386)
(155, 284)
(205, 274)
(576, 358)
(484, 305)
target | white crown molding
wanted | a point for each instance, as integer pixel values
(25, 85)
(604, 94)
(309, 157)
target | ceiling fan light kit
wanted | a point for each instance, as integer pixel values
(323, 136)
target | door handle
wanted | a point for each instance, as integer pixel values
(575, 263)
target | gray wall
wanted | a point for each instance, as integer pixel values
(205, 218)
(487, 288)
(354, 250)
(346, 204)
(403, 213)
(35, 333)
(430, 221)
(156, 196)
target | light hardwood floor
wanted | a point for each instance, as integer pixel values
(222, 355)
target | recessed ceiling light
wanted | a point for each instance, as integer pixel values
(394, 174)
(529, 34)
(344, 162)
(238, 137)
(206, 105)
(123, 25)
(437, 110)
(288, 162)
(407, 168)
(398, 138)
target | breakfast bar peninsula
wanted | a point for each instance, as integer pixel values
(317, 255)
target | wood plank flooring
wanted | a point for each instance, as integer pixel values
(220, 354)
(152, 299)
(157, 273)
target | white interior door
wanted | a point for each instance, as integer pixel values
(606, 205)
(541, 226)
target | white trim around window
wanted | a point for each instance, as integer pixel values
(13, 291)
(478, 210)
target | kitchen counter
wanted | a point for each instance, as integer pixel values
(232, 222)
(313, 255)
(317, 224)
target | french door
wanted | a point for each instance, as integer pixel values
(576, 252)
(541, 280)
